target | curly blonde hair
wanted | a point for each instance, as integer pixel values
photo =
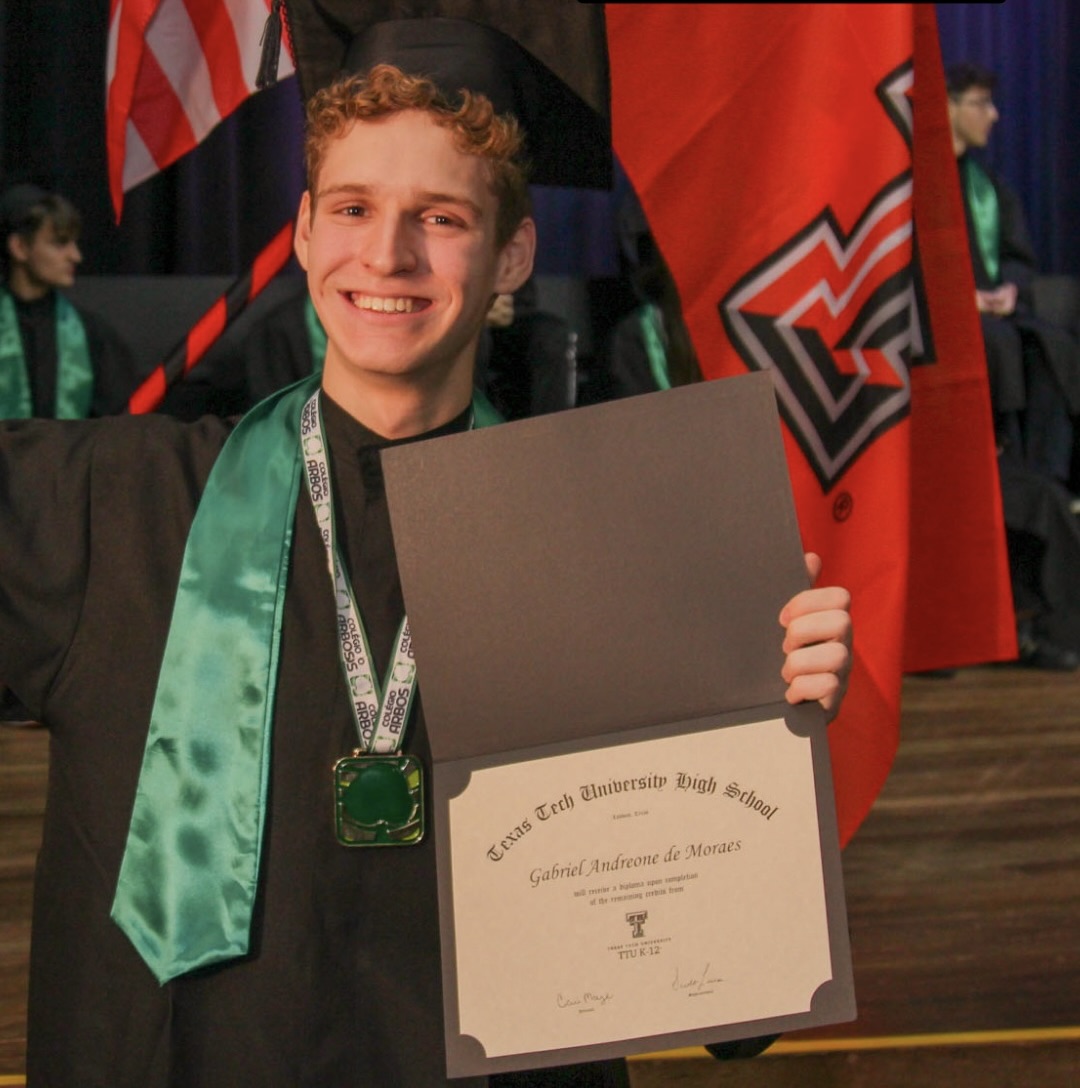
(476, 128)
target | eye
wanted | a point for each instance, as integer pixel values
(441, 219)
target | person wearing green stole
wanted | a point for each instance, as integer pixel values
(1034, 372)
(1034, 367)
(208, 617)
(56, 361)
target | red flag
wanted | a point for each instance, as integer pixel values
(205, 332)
(175, 68)
(771, 147)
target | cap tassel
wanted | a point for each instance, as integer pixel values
(271, 48)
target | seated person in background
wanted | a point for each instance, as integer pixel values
(1043, 539)
(527, 361)
(288, 344)
(650, 348)
(1034, 367)
(278, 347)
(57, 361)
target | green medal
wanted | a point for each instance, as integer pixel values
(378, 790)
(379, 800)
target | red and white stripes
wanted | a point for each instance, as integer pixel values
(175, 69)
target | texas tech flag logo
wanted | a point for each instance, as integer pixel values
(834, 315)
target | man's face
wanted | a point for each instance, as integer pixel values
(46, 261)
(398, 241)
(972, 115)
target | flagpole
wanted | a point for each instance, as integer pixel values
(206, 331)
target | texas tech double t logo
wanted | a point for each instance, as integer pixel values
(834, 315)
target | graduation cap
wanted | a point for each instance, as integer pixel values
(546, 63)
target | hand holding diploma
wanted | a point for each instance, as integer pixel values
(817, 643)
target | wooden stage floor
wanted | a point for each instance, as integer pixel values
(963, 890)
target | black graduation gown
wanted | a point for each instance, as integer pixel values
(113, 365)
(1004, 337)
(343, 984)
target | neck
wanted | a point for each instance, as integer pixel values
(396, 409)
(23, 287)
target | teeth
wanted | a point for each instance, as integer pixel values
(383, 305)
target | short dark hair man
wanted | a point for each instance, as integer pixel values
(56, 360)
(1034, 368)
(277, 957)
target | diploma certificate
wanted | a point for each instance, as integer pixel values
(670, 886)
(635, 835)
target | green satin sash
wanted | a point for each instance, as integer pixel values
(190, 870)
(982, 199)
(74, 375)
(651, 333)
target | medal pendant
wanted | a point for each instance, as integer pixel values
(378, 800)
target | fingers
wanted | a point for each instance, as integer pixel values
(813, 566)
(817, 643)
(818, 674)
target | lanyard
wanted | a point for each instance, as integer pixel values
(380, 711)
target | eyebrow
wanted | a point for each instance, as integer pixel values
(425, 196)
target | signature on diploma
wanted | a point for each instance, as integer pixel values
(586, 1002)
(699, 982)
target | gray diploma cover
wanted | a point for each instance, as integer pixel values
(635, 834)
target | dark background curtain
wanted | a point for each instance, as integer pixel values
(214, 210)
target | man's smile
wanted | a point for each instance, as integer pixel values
(402, 304)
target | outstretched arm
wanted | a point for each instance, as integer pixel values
(817, 642)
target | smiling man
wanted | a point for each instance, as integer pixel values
(210, 621)
(405, 242)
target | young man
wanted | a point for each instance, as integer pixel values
(1034, 371)
(1034, 367)
(284, 958)
(56, 361)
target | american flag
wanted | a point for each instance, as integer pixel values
(175, 69)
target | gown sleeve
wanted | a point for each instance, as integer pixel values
(44, 524)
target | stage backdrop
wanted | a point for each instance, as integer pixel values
(213, 211)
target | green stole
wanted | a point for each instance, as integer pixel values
(74, 375)
(190, 870)
(652, 334)
(982, 200)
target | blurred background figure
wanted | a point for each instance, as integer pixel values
(1034, 367)
(649, 348)
(57, 360)
(527, 361)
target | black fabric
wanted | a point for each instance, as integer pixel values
(1043, 537)
(546, 63)
(343, 983)
(274, 352)
(1026, 355)
(626, 360)
(113, 365)
(529, 368)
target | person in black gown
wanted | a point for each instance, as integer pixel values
(406, 233)
(57, 360)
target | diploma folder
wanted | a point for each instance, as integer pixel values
(635, 834)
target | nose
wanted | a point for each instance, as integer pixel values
(390, 246)
(74, 253)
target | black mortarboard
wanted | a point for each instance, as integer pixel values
(545, 62)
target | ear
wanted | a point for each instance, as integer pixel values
(17, 248)
(302, 234)
(515, 261)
